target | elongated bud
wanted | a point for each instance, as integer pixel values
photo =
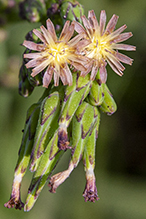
(96, 95)
(47, 124)
(48, 161)
(109, 105)
(24, 156)
(74, 96)
(84, 120)
(90, 192)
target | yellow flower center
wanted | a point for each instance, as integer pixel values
(57, 52)
(98, 48)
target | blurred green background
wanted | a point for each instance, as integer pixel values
(121, 146)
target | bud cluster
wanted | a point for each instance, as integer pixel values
(67, 116)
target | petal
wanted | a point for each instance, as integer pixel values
(40, 35)
(111, 24)
(87, 25)
(82, 44)
(123, 58)
(102, 21)
(66, 35)
(39, 68)
(92, 18)
(103, 73)
(79, 28)
(67, 74)
(63, 77)
(115, 69)
(88, 69)
(122, 37)
(115, 61)
(94, 71)
(95, 22)
(48, 76)
(78, 66)
(32, 55)
(56, 77)
(78, 58)
(33, 46)
(64, 30)
(124, 47)
(47, 35)
(76, 39)
(116, 33)
(51, 29)
(33, 63)
(69, 33)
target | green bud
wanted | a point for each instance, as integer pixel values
(74, 96)
(24, 156)
(33, 11)
(96, 95)
(109, 105)
(90, 192)
(71, 10)
(49, 159)
(47, 124)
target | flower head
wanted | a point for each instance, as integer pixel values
(104, 44)
(55, 54)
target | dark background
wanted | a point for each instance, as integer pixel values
(121, 147)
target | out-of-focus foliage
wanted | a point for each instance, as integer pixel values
(121, 150)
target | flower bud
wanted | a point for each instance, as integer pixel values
(33, 10)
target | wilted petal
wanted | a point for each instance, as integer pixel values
(90, 192)
(59, 178)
